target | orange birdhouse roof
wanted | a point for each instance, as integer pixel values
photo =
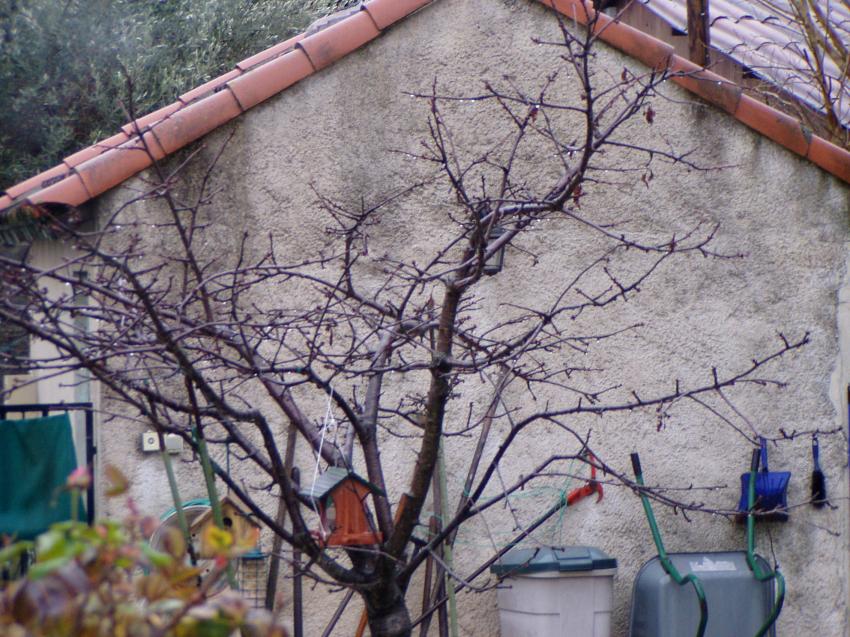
(332, 478)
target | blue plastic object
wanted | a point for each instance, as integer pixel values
(771, 490)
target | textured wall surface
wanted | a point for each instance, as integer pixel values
(337, 133)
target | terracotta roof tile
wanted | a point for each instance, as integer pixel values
(196, 120)
(154, 146)
(386, 12)
(329, 45)
(683, 66)
(781, 128)
(573, 9)
(71, 191)
(712, 88)
(268, 54)
(656, 54)
(201, 110)
(270, 78)
(111, 168)
(829, 157)
(132, 128)
(41, 180)
(209, 87)
(93, 151)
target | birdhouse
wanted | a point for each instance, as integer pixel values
(340, 499)
(244, 530)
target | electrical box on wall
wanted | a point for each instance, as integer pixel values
(173, 443)
(150, 442)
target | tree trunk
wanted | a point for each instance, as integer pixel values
(387, 613)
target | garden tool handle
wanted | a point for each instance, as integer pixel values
(816, 451)
(636, 465)
(663, 558)
(763, 450)
(760, 575)
(754, 464)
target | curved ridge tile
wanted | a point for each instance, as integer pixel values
(111, 168)
(71, 191)
(196, 120)
(781, 128)
(209, 87)
(653, 52)
(132, 128)
(270, 78)
(328, 45)
(830, 157)
(386, 12)
(72, 161)
(577, 10)
(41, 180)
(269, 54)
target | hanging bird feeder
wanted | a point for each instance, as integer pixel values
(339, 497)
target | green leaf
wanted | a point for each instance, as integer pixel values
(51, 544)
(14, 551)
(156, 558)
(46, 567)
(214, 628)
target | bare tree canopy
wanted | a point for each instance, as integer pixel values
(360, 344)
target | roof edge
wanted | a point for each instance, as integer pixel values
(95, 169)
(783, 129)
(92, 171)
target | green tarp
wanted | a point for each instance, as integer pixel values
(36, 456)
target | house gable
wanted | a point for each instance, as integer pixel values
(300, 143)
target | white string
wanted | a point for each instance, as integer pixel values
(329, 418)
(336, 427)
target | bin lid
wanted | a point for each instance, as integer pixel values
(561, 559)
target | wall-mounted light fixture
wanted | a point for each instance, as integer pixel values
(494, 263)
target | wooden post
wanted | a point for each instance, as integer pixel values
(280, 518)
(698, 36)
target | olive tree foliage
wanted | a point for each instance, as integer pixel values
(63, 65)
(248, 346)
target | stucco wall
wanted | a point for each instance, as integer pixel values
(335, 132)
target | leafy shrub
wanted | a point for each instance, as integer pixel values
(106, 580)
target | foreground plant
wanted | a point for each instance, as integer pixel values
(107, 580)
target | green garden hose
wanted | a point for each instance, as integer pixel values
(668, 565)
(760, 575)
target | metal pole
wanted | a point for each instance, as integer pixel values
(339, 611)
(91, 450)
(297, 595)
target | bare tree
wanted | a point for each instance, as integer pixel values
(184, 333)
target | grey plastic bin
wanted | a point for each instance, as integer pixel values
(738, 604)
(556, 592)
